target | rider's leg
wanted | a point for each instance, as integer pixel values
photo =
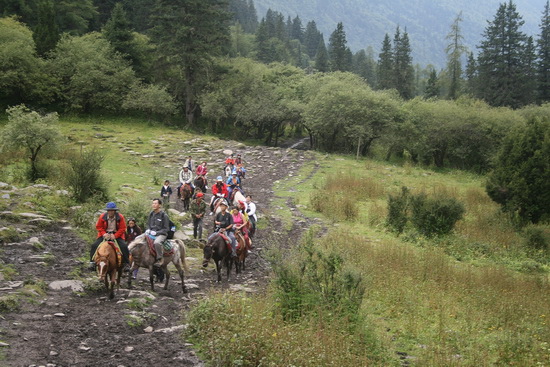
(94, 247)
(231, 236)
(195, 224)
(159, 240)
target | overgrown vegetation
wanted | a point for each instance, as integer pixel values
(85, 178)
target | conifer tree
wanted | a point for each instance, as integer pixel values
(364, 65)
(339, 54)
(403, 68)
(503, 75)
(385, 65)
(543, 53)
(471, 74)
(118, 31)
(454, 50)
(46, 33)
(432, 89)
(189, 34)
(297, 31)
(321, 59)
(311, 38)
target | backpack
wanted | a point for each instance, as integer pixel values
(170, 234)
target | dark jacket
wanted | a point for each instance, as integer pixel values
(158, 222)
(225, 220)
(195, 208)
(132, 233)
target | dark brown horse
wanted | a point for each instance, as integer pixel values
(200, 183)
(142, 257)
(108, 267)
(185, 194)
(220, 252)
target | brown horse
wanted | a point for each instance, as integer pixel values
(185, 194)
(142, 257)
(242, 250)
(108, 268)
(217, 249)
(200, 183)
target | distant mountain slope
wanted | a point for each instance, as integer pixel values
(426, 21)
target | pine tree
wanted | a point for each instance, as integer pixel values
(471, 74)
(502, 73)
(338, 52)
(432, 89)
(46, 33)
(117, 30)
(321, 59)
(189, 33)
(385, 74)
(364, 65)
(252, 19)
(297, 31)
(311, 38)
(454, 50)
(543, 52)
(403, 68)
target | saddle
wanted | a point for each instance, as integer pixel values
(167, 246)
(226, 239)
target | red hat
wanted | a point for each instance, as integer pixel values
(241, 202)
(200, 195)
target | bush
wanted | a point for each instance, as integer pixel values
(85, 179)
(139, 209)
(520, 181)
(397, 211)
(335, 205)
(536, 237)
(435, 216)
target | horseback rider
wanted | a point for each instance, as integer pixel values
(158, 225)
(111, 226)
(189, 163)
(224, 225)
(241, 172)
(186, 178)
(238, 160)
(202, 171)
(241, 220)
(219, 191)
(233, 182)
(251, 211)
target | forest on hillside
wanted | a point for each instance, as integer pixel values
(215, 65)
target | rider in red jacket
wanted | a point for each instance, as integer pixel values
(218, 190)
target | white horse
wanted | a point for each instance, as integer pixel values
(142, 257)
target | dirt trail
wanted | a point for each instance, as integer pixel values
(139, 327)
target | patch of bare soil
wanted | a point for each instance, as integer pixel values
(72, 327)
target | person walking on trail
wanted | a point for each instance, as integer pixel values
(251, 211)
(224, 224)
(132, 230)
(111, 226)
(165, 193)
(158, 225)
(186, 177)
(197, 210)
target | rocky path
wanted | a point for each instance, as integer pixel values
(63, 320)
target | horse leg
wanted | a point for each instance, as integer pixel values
(151, 278)
(218, 270)
(166, 276)
(182, 276)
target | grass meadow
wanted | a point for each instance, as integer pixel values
(477, 297)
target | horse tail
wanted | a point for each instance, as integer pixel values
(181, 247)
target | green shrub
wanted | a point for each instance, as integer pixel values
(536, 237)
(138, 208)
(435, 216)
(9, 303)
(85, 179)
(397, 211)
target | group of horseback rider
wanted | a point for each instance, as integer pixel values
(112, 226)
